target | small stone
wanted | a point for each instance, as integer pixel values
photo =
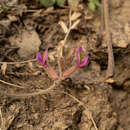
(27, 41)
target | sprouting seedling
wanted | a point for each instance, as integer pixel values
(80, 62)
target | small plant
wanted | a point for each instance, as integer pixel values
(48, 3)
(81, 61)
(65, 60)
(93, 4)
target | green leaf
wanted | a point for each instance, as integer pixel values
(98, 3)
(47, 3)
(60, 2)
(92, 1)
(92, 6)
(99, 11)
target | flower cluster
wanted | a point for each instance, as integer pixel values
(81, 61)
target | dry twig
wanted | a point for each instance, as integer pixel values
(20, 62)
(105, 16)
(40, 92)
(2, 120)
(10, 84)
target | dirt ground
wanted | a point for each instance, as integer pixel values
(28, 28)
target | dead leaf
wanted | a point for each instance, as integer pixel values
(36, 73)
(12, 18)
(64, 27)
(51, 56)
(73, 4)
(18, 65)
(30, 65)
(75, 16)
(110, 80)
(5, 23)
(75, 24)
(3, 68)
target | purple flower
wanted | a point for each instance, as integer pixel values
(81, 62)
(42, 60)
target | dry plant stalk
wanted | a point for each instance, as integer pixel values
(105, 15)
(10, 84)
(20, 62)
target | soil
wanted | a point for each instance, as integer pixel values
(28, 28)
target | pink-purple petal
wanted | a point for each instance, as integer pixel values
(39, 57)
(84, 61)
(42, 60)
(81, 62)
(80, 49)
(45, 56)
